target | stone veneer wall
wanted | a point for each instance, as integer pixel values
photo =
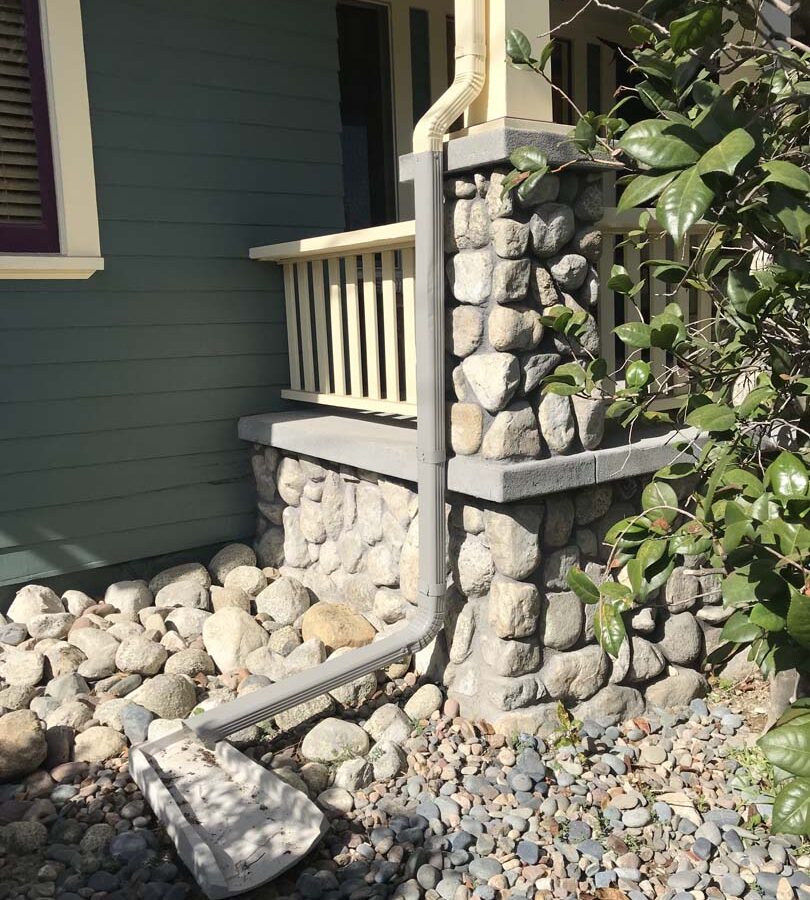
(507, 261)
(517, 640)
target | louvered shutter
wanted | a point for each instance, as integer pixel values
(27, 203)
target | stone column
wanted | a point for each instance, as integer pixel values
(507, 261)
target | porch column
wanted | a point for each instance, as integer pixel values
(511, 93)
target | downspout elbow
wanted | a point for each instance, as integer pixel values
(470, 74)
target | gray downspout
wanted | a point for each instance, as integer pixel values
(424, 625)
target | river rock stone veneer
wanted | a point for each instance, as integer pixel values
(517, 640)
(507, 261)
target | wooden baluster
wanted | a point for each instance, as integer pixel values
(336, 322)
(353, 328)
(409, 313)
(291, 304)
(632, 260)
(372, 327)
(390, 330)
(307, 356)
(321, 336)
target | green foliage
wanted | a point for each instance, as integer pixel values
(725, 147)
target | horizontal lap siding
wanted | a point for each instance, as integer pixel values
(215, 128)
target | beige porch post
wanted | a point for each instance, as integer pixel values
(509, 93)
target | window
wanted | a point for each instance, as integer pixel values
(48, 213)
(562, 76)
(395, 60)
(366, 115)
(27, 199)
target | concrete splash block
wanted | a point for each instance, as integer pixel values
(235, 824)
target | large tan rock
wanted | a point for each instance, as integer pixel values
(22, 744)
(98, 743)
(167, 696)
(229, 635)
(33, 600)
(336, 625)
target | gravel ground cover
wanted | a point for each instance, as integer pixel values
(671, 806)
(420, 801)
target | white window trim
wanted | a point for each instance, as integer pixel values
(71, 140)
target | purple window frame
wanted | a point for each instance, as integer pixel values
(42, 236)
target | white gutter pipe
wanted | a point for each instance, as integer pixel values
(221, 721)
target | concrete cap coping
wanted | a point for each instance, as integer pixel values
(388, 447)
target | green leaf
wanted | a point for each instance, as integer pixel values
(518, 46)
(527, 186)
(788, 748)
(661, 145)
(738, 526)
(628, 532)
(787, 174)
(637, 374)
(634, 334)
(728, 154)
(643, 188)
(683, 203)
(656, 500)
(787, 476)
(736, 590)
(798, 618)
(791, 211)
(712, 417)
(528, 159)
(670, 273)
(667, 331)
(739, 629)
(582, 585)
(693, 29)
(791, 808)
(620, 280)
(609, 628)
(705, 92)
(546, 54)
(740, 287)
(766, 618)
(585, 134)
(614, 592)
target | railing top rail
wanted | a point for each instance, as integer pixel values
(615, 221)
(369, 240)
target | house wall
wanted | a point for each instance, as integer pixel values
(215, 127)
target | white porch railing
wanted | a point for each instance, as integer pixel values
(616, 309)
(349, 300)
(350, 318)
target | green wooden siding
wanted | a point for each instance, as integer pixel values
(215, 128)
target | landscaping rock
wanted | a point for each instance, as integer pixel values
(167, 696)
(188, 594)
(230, 635)
(285, 600)
(22, 744)
(194, 572)
(50, 625)
(98, 743)
(228, 558)
(424, 702)
(333, 739)
(129, 597)
(33, 600)
(336, 625)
